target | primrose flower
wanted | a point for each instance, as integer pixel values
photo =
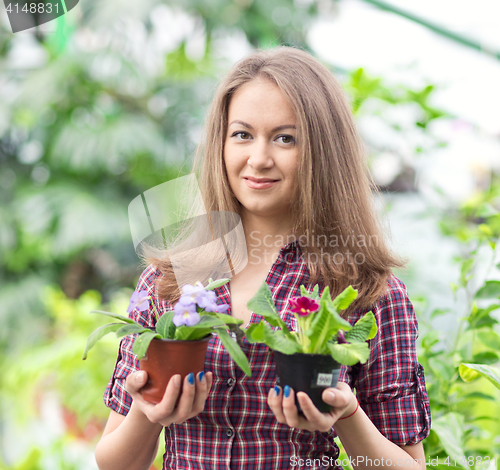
(303, 306)
(139, 300)
(185, 315)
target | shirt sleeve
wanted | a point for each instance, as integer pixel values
(390, 386)
(115, 395)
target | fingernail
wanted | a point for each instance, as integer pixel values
(286, 391)
(330, 395)
(177, 380)
(140, 377)
(201, 376)
(277, 390)
(191, 378)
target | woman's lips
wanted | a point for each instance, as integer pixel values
(256, 184)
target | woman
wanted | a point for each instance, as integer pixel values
(282, 151)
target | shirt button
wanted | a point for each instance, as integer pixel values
(229, 433)
(231, 382)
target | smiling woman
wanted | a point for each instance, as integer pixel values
(282, 152)
(260, 152)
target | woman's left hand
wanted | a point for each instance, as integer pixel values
(340, 397)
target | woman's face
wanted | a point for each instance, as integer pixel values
(260, 151)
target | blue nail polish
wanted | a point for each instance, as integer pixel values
(191, 378)
(277, 390)
(286, 391)
(201, 376)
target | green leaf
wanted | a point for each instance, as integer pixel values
(442, 367)
(449, 429)
(470, 372)
(98, 334)
(312, 295)
(130, 329)
(207, 321)
(480, 317)
(464, 270)
(365, 328)
(439, 311)
(345, 298)
(186, 333)
(115, 316)
(262, 304)
(315, 292)
(490, 339)
(325, 324)
(234, 351)
(486, 210)
(349, 354)
(479, 396)
(226, 319)
(203, 328)
(274, 339)
(485, 357)
(141, 343)
(490, 290)
(165, 326)
(214, 284)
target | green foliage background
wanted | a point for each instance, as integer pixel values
(110, 109)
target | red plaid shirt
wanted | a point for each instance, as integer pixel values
(237, 429)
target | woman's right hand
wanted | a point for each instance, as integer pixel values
(191, 401)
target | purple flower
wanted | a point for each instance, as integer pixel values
(197, 295)
(185, 315)
(192, 292)
(303, 306)
(206, 299)
(222, 308)
(139, 300)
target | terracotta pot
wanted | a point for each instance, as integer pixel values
(309, 373)
(167, 357)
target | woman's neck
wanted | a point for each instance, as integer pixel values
(265, 237)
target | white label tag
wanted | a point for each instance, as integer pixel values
(324, 379)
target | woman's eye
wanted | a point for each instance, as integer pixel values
(286, 139)
(241, 135)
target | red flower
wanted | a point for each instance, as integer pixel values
(303, 306)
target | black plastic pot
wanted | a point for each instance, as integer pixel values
(309, 373)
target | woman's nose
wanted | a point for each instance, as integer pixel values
(261, 155)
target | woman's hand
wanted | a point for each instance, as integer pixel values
(286, 412)
(191, 401)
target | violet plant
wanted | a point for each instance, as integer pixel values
(321, 329)
(195, 316)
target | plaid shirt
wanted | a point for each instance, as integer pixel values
(237, 429)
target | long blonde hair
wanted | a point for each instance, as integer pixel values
(341, 237)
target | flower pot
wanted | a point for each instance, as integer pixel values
(309, 373)
(167, 357)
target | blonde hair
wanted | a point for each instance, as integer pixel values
(333, 199)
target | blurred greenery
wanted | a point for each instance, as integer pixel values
(111, 103)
